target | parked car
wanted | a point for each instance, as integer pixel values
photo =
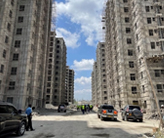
(132, 112)
(62, 108)
(107, 111)
(11, 120)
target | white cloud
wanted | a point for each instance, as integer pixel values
(85, 13)
(84, 64)
(71, 39)
(83, 80)
(82, 91)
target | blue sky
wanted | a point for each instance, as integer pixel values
(79, 23)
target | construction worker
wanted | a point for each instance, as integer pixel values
(91, 107)
(83, 109)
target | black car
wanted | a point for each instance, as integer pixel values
(11, 120)
(107, 111)
(62, 108)
(132, 112)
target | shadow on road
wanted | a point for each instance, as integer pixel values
(73, 129)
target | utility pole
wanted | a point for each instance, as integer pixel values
(154, 92)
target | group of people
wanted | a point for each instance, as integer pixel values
(85, 108)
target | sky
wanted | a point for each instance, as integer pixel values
(79, 23)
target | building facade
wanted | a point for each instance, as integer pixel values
(69, 85)
(25, 64)
(134, 47)
(99, 88)
(60, 70)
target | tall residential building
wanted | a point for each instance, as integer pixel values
(60, 70)
(50, 72)
(7, 18)
(99, 84)
(69, 85)
(94, 84)
(26, 25)
(134, 48)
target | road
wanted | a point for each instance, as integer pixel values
(77, 125)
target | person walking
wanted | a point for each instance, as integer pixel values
(83, 108)
(29, 117)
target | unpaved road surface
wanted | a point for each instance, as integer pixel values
(77, 125)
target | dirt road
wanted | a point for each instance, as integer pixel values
(76, 125)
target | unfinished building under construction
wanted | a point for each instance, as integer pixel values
(134, 51)
(24, 37)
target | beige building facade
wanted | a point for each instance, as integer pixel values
(134, 49)
(23, 79)
(69, 85)
(99, 88)
(60, 70)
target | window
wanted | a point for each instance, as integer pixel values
(10, 14)
(150, 32)
(134, 90)
(132, 77)
(143, 88)
(13, 70)
(125, 1)
(135, 25)
(50, 55)
(17, 43)
(130, 52)
(51, 49)
(15, 57)
(131, 64)
(48, 84)
(127, 30)
(152, 45)
(137, 37)
(159, 87)
(2, 68)
(19, 31)
(129, 40)
(10, 99)
(141, 75)
(0, 83)
(21, 7)
(57, 51)
(51, 39)
(49, 78)
(12, 2)
(105, 92)
(149, 20)
(127, 19)
(126, 9)
(157, 73)
(9, 27)
(3, 109)
(157, 43)
(147, 8)
(51, 44)
(153, 19)
(11, 85)
(20, 19)
(105, 98)
(58, 42)
(6, 39)
(58, 46)
(49, 72)
(138, 48)
(162, 71)
(4, 53)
